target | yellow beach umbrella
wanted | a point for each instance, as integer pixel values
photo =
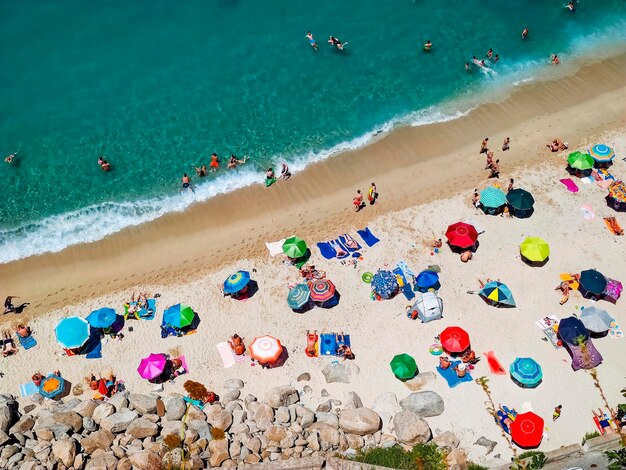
(535, 249)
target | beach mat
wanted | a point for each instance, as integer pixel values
(346, 240)
(613, 226)
(450, 375)
(150, 312)
(275, 248)
(326, 250)
(28, 342)
(587, 212)
(368, 237)
(340, 250)
(494, 365)
(226, 353)
(328, 344)
(570, 185)
(407, 290)
(28, 389)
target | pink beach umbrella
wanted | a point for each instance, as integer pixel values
(152, 366)
(265, 349)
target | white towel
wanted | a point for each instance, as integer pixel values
(226, 353)
(275, 248)
(478, 228)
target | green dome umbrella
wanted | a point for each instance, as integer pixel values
(535, 249)
(492, 197)
(403, 366)
(580, 161)
(294, 247)
(520, 199)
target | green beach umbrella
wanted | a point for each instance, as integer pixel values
(520, 199)
(179, 316)
(294, 247)
(492, 197)
(403, 366)
(535, 249)
(580, 161)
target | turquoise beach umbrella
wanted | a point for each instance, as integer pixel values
(72, 332)
(179, 316)
(236, 282)
(102, 318)
(602, 153)
(298, 296)
(497, 293)
(492, 197)
(526, 372)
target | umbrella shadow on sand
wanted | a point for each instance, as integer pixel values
(284, 355)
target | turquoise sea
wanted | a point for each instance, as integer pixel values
(157, 86)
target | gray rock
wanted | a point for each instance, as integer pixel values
(102, 461)
(313, 441)
(230, 396)
(420, 380)
(330, 419)
(352, 400)
(175, 408)
(219, 452)
(307, 417)
(65, 451)
(325, 406)
(263, 416)
(9, 451)
(324, 393)
(275, 434)
(249, 399)
(25, 423)
(119, 401)
(354, 441)
(387, 403)
(424, 404)
(29, 408)
(447, 440)
(15, 459)
(410, 428)
(220, 419)
(118, 422)
(283, 395)
(486, 443)
(239, 416)
(143, 404)
(86, 408)
(254, 444)
(89, 425)
(304, 377)
(71, 418)
(145, 460)
(7, 415)
(141, 428)
(233, 384)
(70, 404)
(340, 372)
(124, 464)
(361, 421)
(282, 415)
(103, 410)
(4, 437)
(201, 427)
(101, 439)
(118, 451)
(79, 461)
(328, 435)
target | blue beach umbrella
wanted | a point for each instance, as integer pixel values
(526, 372)
(497, 293)
(179, 316)
(102, 318)
(427, 279)
(299, 296)
(236, 282)
(385, 284)
(591, 281)
(573, 331)
(72, 332)
(492, 198)
(602, 153)
(51, 386)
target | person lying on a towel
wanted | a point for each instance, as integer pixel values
(236, 344)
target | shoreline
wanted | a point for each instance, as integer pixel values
(182, 246)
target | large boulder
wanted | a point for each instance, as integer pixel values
(7, 415)
(118, 422)
(175, 408)
(219, 451)
(102, 411)
(424, 404)
(263, 415)
(25, 423)
(86, 408)
(360, 421)
(327, 434)
(410, 428)
(201, 427)
(143, 404)
(330, 419)
(101, 439)
(275, 433)
(71, 418)
(340, 372)
(145, 460)
(284, 395)
(141, 428)
(119, 400)
(219, 418)
(65, 451)
(233, 384)
(102, 461)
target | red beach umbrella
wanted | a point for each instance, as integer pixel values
(461, 235)
(322, 290)
(527, 430)
(454, 339)
(265, 349)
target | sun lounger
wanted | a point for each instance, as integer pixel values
(27, 342)
(326, 250)
(368, 237)
(226, 353)
(450, 376)
(28, 389)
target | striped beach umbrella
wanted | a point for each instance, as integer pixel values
(596, 320)
(520, 199)
(580, 161)
(179, 316)
(72, 332)
(294, 247)
(51, 386)
(403, 366)
(454, 339)
(592, 281)
(461, 235)
(298, 296)
(602, 153)
(236, 282)
(535, 249)
(152, 366)
(497, 293)
(265, 349)
(492, 197)
(322, 290)
(526, 372)
(102, 318)
(527, 430)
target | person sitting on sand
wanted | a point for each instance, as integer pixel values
(460, 369)
(469, 357)
(23, 331)
(215, 164)
(358, 201)
(343, 350)
(506, 145)
(506, 212)
(495, 169)
(211, 397)
(476, 199)
(236, 344)
(8, 345)
(37, 378)
(93, 382)
(511, 183)
(603, 420)
(444, 362)
(564, 288)
(466, 256)
(311, 341)
(201, 171)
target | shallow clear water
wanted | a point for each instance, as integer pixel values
(157, 86)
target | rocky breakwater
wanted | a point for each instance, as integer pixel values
(126, 432)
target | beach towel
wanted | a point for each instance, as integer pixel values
(547, 322)
(150, 312)
(405, 269)
(316, 346)
(96, 352)
(477, 226)
(275, 248)
(588, 359)
(28, 389)
(326, 250)
(226, 353)
(27, 342)
(328, 344)
(450, 376)
(350, 243)
(494, 365)
(587, 211)
(368, 237)
(340, 251)
(405, 286)
(613, 226)
(615, 331)
(604, 184)
(570, 185)
(573, 284)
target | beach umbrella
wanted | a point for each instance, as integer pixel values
(51, 386)
(461, 235)
(602, 153)
(520, 199)
(236, 282)
(454, 339)
(102, 318)
(72, 332)
(403, 366)
(535, 249)
(497, 293)
(152, 366)
(572, 331)
(322, 290)
(617, 191)
(580, 161)
(526, 372)
(265, 349)
(294, 247)
(596, 320)
(527, 430)
(385, 284)
(592, 281)
(298, 296)
(179, 316)
(427, 279)
(493, 198)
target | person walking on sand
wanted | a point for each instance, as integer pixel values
(495, 169)
(372, 194)
(483, 145)
(557, 413)
(506, 144)
(309, 36)
(358, 201)
(489, 160)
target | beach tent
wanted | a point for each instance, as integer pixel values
(492, 198)
(428, 307)
(617, 195)
(595, 320)
(572, 331)
(102, 318)
(299, 296)
(52, 386)
(294, 247)
(521, 202)
(265, 349)
(535, 249)
(179, 316)
(385, 284)
(426, 280)
(602, 154)
(236, 282)
(403, 366)
(527, 430)
(152, 366)
(526, 372)
(580, 161)
(592, 282)
(72, 332)
(497, 294)
(454, 340)
(461, 235)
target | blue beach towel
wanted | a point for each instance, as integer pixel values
(28, 389)
(450, 376)
(344, 238)
(407, 290)
(326, 250)
(405, 269)
(96, 352)
(341, 251)
(367, 236)
(27, 342)
(150, 313)
(328, 344)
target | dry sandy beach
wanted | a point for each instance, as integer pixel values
(425, 176)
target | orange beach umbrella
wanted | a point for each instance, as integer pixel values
(265, 349)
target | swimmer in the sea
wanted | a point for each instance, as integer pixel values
(186, 183)
(106, 166)
(428, 45)
(467, 66)
(311, 39)
(489, 53)
(496, 58)
(10, 158)
(524, 33)
(333, 41)
(570, 6)
(555, 59)
(201, 170)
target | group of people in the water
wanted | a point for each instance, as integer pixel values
(482, 62)
(215, 164)
(332, 40)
